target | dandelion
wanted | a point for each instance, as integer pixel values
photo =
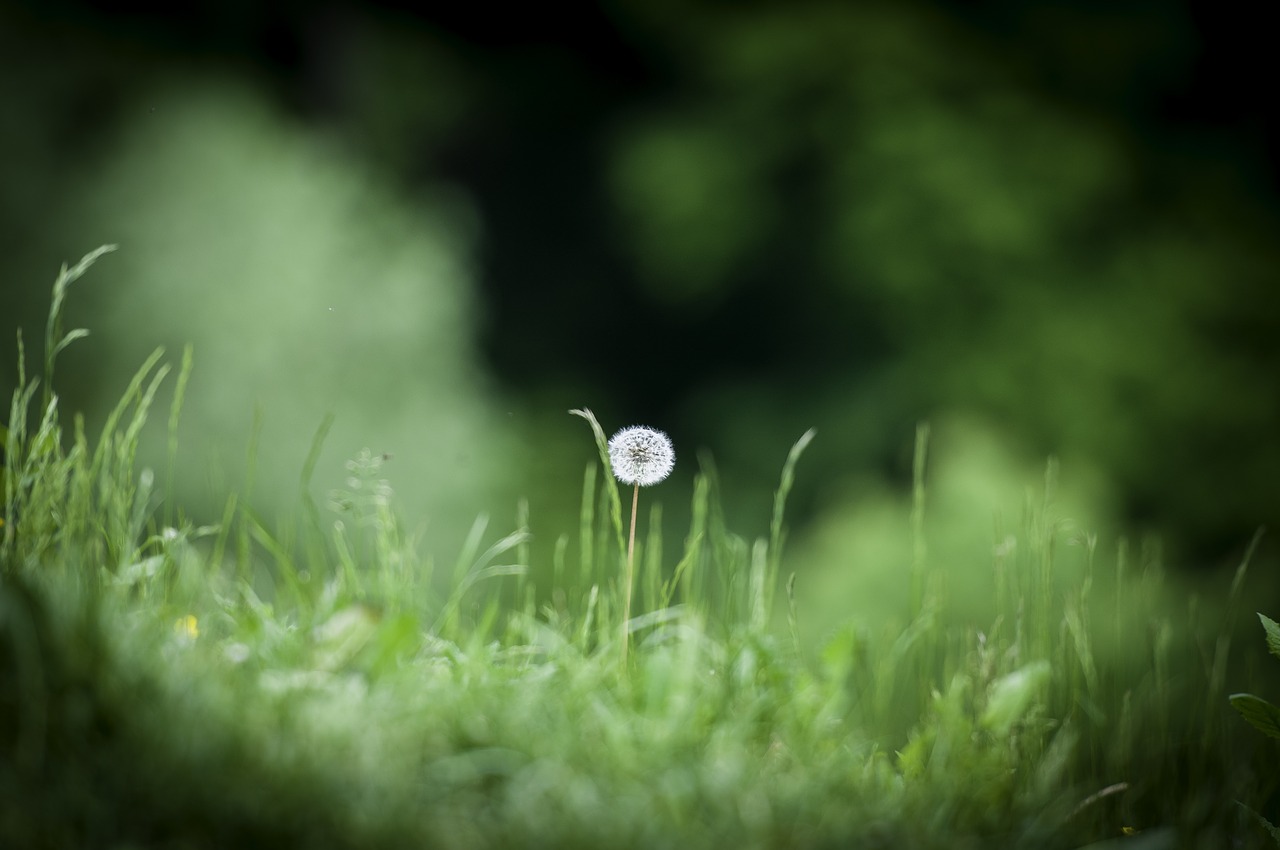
(639, 456)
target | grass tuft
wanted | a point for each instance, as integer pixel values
(312, 682)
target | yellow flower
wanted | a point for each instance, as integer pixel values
(187, 626)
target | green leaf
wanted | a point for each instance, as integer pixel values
(340, 638)
(1264, 716)
(1266, 824)
(1273, 634)
(1270, 827)
(1010, 696)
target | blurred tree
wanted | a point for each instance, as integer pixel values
(925, 232)
(307, 287)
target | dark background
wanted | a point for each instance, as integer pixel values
(1045, 227)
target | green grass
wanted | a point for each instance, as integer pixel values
(314, 682)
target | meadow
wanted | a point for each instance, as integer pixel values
(312, 680)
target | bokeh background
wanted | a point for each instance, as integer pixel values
(1046, 229)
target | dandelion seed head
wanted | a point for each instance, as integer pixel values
(641, 455)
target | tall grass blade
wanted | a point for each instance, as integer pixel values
(175, 412)
(919, 548)
(54, 340)
(777, 533)
(610, 483)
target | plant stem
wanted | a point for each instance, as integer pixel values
(631, 549)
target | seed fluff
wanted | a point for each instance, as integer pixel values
(641, 455)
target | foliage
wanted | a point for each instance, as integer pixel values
(1260, 713)
(884, 189)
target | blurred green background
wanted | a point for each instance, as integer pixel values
(1047, 229)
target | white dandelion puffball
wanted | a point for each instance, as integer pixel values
(641, 455)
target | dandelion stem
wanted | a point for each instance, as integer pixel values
(630, 579)
(631, 540)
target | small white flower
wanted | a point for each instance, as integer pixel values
(641, 455)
